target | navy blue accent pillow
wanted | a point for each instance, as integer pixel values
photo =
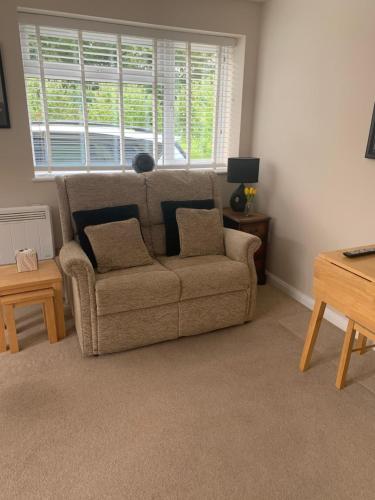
(171, 228)
(84, 218)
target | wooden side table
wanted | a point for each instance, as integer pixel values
(257, 224)
(43, 286)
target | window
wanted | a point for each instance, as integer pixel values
(99, 93)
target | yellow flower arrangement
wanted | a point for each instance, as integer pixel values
(250, 192)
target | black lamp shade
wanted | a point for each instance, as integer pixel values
(243, 170)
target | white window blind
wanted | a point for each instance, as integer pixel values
(97, 98)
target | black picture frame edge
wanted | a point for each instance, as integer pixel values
(2, 83)
(370, 149)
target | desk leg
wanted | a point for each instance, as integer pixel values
(312, 333)
(3, 345)
(59, 309)
(345, 355)
(361, 343)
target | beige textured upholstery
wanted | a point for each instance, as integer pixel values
(163, 185)
(77, 265)
(136, 288)
(200, 231)
(118, 245)
(170, 298)
(211, 313)
(127, 330)
(87, 192)
(215, 274)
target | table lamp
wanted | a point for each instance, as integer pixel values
(241, 170)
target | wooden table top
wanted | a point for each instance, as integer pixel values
(241, 218)
(361, 266)
(10, 278)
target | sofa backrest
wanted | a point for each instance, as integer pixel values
(90, 191)
(164, 185)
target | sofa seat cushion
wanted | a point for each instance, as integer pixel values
(207, 275)
(136, 288)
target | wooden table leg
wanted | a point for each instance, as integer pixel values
(345, 355)
(361, 343)
(44, 315)
(312, 333)
(11, 327)
(3, 344)
(59, 309)
(50, 317)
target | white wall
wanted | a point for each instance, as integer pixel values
(314, 100)
(16, 168)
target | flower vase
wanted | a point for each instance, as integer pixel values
(249, 208)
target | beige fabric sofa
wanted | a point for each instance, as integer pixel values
(171, 298)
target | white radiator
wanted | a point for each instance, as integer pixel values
(25, 227)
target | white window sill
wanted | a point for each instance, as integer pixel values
(41, 177)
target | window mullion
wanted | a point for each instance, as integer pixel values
(169, 100)
(44, 98)
(215, 138)
(155, 101)
(84, 102)
(188, 105)
(161, 54)
(121, 97)
(225, 103)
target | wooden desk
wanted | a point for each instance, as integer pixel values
(47, 276)
(349, 286)
(257, 224)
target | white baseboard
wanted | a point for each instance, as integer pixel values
(330, 315)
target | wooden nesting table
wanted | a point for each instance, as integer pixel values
(43, 286)
(348, 285)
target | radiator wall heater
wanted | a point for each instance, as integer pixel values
(25, 227)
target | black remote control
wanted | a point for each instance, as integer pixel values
(361, 252)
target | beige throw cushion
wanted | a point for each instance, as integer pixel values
(201, 232)
(118, 245)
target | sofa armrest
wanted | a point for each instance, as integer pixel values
(77, 266)
(240, 246)
(75, 262)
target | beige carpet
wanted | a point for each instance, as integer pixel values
(219, 416)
